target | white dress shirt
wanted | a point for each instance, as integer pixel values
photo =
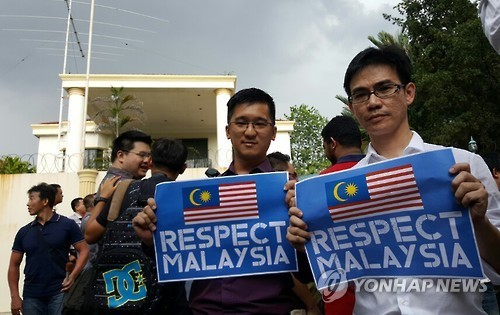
(77, 218)
(433, 301)
(489, 12)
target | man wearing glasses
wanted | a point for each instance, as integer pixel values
(130, 158)
(251, 128)
(378, 83)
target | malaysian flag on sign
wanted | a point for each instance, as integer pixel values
(223, 202)
(374, 194)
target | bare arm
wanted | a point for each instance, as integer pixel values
(16, 303)
(94, 231)
(307, 297)
(83, 255)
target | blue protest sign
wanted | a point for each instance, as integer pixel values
(221, 227)
(397, 218)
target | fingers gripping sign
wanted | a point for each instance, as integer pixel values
(469, 191)
(144, 222)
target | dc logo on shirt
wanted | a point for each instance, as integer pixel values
(126, 284)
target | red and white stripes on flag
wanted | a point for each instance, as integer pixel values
(236, 202)
(393, 189)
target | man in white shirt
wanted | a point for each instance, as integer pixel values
(79, 210)
(489, 12)
(378, 83)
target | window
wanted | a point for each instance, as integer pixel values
(94, 159)
(197, 153)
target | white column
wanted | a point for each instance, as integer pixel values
(74, 136)
(224, 154)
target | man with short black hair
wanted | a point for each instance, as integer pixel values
(168, 162)
(380, 90)
(341, 143)
(251, 128)
(46, 242)
(130, 158)
(78, 210)
(281, 163)
(59, 194)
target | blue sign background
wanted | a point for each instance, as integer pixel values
(220, 256)
(360, 256)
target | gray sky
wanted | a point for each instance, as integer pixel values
(297, 51)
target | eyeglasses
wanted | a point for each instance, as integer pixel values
(142, 155)
(257, 125)
(383, 91)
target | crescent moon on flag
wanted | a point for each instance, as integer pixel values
(191, 197)
(336, 192)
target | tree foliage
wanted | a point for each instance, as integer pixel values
(387, 39)
(118, 112)
(14, 165)
(306, 141)
(456, 71)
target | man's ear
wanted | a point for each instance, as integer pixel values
(332, 143)
(410, 92)
(120, 155)
(275, 131)
(495, 173)
(227, 132)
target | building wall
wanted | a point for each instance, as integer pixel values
(14, 214)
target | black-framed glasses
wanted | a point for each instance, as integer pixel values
(143, 155)
(257, 125)
(383, 91)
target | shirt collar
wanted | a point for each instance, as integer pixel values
(264, 167)
(55, 218)
(351, 158)
(416, 145)
(120, 172)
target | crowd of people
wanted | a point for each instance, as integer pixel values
(379, 85)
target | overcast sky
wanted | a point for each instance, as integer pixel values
(296, 50)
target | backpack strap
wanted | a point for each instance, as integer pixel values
(116, 201)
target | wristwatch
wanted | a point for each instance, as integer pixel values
(98, 199)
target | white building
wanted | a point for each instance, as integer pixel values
(191, 108)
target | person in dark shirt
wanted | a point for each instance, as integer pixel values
(251, 128)
(130, 158)
(168, 162)
(46, 242)
(341, 143)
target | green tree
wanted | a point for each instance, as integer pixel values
(306, 141)
(14, 165)
(456, 71)
(118, 112)
(387, 39)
